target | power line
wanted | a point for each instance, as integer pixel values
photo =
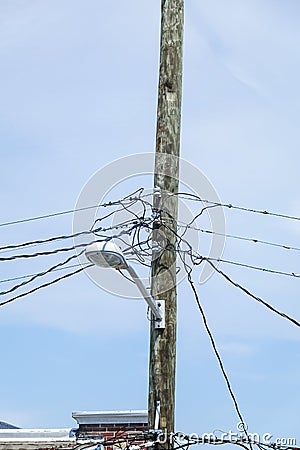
(197, 257)
(134, 226)
(125, 224)
(41, 274)
(145, 439)
(22, 277)
(66, 249)
(217, 354)
(47, 216)
(242, 238)
(45, 241)
(56, 280)
(95, 231)
(131, 228)
(231, 206)
(258, 299)
(131, 197)
(47, 253)
(249, 266)
(189, 270)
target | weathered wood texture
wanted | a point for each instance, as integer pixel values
(163, 342)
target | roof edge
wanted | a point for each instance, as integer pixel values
(37, 435)
(110, 417)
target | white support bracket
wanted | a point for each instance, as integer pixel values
(160, 323)
(157, 415)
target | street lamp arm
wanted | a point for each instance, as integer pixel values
(107, 254)
(150, 301)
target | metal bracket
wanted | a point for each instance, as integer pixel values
(157, 414)
(160, 324)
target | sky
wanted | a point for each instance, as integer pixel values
(78, 91)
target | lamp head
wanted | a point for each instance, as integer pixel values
(106, 254)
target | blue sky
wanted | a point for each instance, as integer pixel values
(78, 90)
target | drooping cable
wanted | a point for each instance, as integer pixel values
(41, 274)
(246, 291)
(23, 277)
(50, 283)
(216, 352)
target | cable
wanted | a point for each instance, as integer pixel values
(258, 299)
(146, 253)
(125, 224)
(70, 211)
(125, 276)
(22, 277)
(176, 441)
(56, 280)
(242, 238)
(200, 259)
(217, 354)
(47, 216)
(249, 266)
(184, 195)
(139, 247)
(41, 274)
(47, 253)
(240, 208)
(197, 257)
(189, 270)
(45, 241)
(66, 249)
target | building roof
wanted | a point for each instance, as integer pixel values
(14, 438)
(45, 439)
(7, 426)
(109, 417)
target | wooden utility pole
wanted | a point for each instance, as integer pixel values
(163, 287)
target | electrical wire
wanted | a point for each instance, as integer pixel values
(68, 275)
(128, 228)
(231, 206)
(196, 258)
(189, 268)
(140, 247)
(131, 236)
(41, 274)
(125, 276)
(249, 266)
(45, 253)
(129, 197)
(139, 192)
(22, 277)
(47, 216)
(46, 241)
(217, 354)
(67, 249)
(175, 441)
(241, 238)
(246, 291)
(95, 231)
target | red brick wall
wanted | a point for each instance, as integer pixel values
(114, 432)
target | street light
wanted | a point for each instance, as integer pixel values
(107, 254)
